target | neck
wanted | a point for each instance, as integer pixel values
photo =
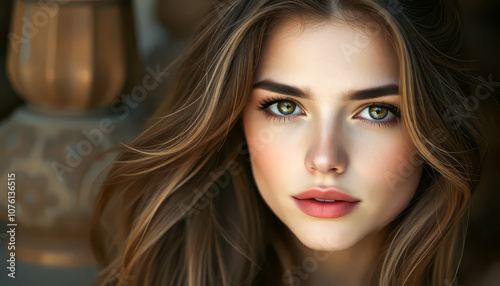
(354, 266)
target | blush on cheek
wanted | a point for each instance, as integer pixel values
(404, 169)
(271, 156)
(400, 183)
(389, 166)
(267, 161)
(386, 153)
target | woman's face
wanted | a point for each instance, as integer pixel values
(323, 115)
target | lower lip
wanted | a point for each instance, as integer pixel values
(315, 208)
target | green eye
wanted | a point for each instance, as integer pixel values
(380, 113)
(285, 107)
(377, 112)
(280, 108)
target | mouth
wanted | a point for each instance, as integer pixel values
(324, 200)
(329, 203)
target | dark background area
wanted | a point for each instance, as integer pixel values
(481, 259)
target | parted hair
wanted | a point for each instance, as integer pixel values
(179, 205)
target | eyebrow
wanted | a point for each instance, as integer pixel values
(363, 94)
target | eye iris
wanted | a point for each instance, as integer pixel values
(378, 112)
(286, 107)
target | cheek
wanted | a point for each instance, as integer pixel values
(383, 160)
(269, 152)
(391, 173)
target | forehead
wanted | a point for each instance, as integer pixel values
(329, 53)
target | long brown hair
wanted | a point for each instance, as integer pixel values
(179, 205)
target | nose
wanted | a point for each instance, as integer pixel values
(326, 153)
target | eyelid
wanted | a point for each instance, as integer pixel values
(393, 109)
(265, 103)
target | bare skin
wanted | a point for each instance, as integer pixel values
(327, 137)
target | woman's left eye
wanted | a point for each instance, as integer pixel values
(380, 113)
(285, 109)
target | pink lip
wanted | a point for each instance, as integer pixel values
(343, 205)
(329, 194)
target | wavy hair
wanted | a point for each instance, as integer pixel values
(179, 205)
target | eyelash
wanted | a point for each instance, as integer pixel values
(264, 104)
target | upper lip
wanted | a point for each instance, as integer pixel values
(325, 194)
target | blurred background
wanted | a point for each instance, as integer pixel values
(79, 77)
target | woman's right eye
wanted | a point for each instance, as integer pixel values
(285, 108)
(280, 108)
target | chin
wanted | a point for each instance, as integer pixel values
(327, 241)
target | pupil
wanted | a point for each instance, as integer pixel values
(378, 112)
(286, 108)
